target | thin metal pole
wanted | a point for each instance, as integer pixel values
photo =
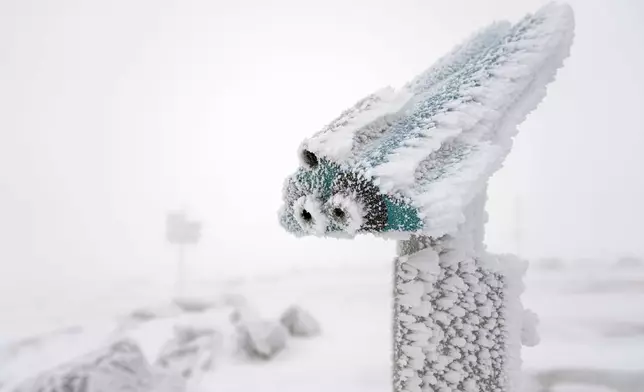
(180, 276)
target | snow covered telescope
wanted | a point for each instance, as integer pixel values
(413, 164)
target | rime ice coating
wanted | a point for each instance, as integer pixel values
(430, 146)
(413, 164)
(458, 320)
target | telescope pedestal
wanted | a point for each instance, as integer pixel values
(458, 319)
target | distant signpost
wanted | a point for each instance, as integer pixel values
(181, 231)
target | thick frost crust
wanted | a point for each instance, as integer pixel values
(415, 162)
(432, 145)
(470, 135)
(371, 118)
(458, 320)
(365, 121)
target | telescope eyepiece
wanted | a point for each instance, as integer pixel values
(306, 215)
(310, 159)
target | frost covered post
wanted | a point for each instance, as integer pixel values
(413, 164)
(181, 231)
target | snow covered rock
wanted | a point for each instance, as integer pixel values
(144, 314)
(120, 367)
(299, 322)
(529, 335)
(590, 380)
(190, 352)
(550, 264)
(150, 313)
(629, 263)
(194, 305)
(261, 339)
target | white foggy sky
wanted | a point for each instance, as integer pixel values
(113, 112)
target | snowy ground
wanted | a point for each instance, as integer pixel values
(592, 329)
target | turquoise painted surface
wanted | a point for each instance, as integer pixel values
(402, 216)
(319, 182)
